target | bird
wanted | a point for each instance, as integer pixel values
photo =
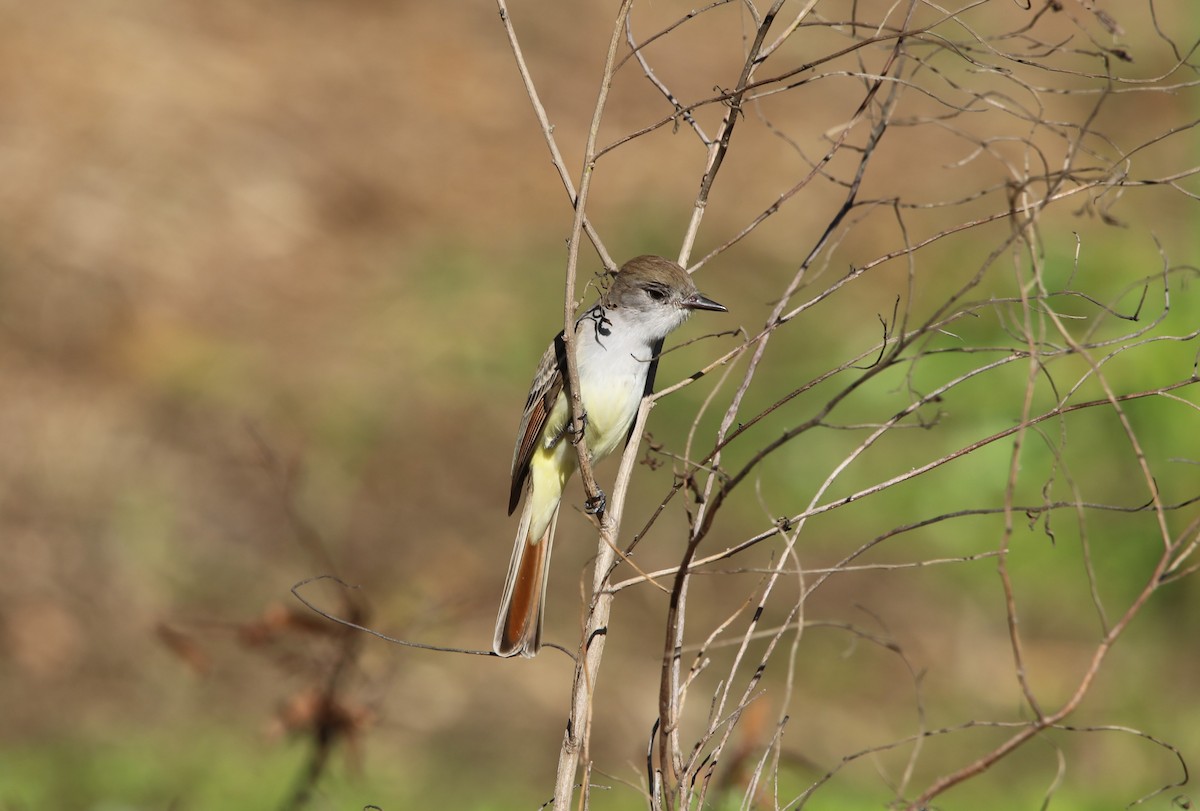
(617, 343)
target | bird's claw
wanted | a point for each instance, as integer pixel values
(595, 506)
(576, 429)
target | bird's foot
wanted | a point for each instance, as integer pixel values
(575, 430)
(595, 506)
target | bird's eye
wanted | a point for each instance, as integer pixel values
(656, 293)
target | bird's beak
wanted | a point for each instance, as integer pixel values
(699, 302)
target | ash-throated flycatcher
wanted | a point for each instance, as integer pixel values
(617, 343)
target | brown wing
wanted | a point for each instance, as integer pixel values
(543, 392)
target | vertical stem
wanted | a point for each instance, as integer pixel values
(591, 646)
(587, 663)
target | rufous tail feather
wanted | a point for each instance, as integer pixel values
(519, 624)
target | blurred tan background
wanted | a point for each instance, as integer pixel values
(281, 271)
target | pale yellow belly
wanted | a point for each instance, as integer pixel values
(610, 412)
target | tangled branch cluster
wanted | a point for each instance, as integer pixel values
(967, 159)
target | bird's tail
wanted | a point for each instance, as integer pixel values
(519, 624)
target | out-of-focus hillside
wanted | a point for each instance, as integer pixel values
(281, 271)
